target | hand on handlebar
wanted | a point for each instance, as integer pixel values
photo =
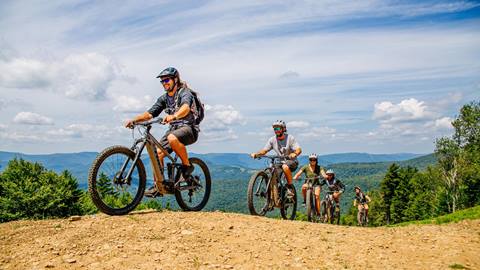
(169, 118)
(129, 123)
(254, 155)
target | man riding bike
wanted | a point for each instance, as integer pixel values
(177, 103)
(362, 199)
(284, 145)
(334, 185)
(312, 170)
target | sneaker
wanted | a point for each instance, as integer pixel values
(290, 193)
(152, 192)
(187, 171)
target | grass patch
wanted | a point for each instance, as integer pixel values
(466, 214)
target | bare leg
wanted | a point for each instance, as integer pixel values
(304, 191)
(179, 148)
(288, 173)
(317, 199)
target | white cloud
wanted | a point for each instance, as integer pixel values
(78, 76)
(407, 110)
(444, 123)
(3, 127)
(29, 118)
(128, 104)
(220, 121)
(298, 124)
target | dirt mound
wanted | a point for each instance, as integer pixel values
(179, 240)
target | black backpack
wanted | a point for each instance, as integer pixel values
(198, 108)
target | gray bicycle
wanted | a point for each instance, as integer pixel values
(267, 190)
(117, 177)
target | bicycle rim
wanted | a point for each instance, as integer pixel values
(110, 189)
(192, 194)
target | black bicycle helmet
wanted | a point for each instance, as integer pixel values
(168, 72)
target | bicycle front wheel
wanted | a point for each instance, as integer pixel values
(111, 190)
(310, 203)
(288, 209)
(192, 194)
(257, 194)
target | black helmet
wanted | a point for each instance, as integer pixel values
(168, 72)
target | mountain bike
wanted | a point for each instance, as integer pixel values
(329, 210)
(312, 214)
(362, 216)
(117, 177)
(267, 190)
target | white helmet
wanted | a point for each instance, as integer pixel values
(279, 123)
(313, 156)
(330, 171)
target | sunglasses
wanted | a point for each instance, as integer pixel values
(277, 128)
(166, 80)
(312, 159)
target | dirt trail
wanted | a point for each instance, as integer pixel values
(179, 240)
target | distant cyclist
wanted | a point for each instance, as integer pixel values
(334, 185)
(362, 200)
(312, 170)
(284, 145)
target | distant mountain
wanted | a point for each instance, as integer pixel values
(231, 172)
(222, 165)
(244, 160)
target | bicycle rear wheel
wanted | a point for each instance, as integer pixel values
(110, 189)
(192, 194)
(257, 194)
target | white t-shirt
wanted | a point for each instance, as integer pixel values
(282, 147)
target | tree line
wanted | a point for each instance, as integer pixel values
(453, 183)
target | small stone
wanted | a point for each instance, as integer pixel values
(124, 256)
(231, 227)
(49, 265)
(75, 218)
(70, 260)
(186, 232)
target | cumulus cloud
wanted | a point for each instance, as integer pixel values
(220, 121)
(444, 123)
(78, 76)
(128, 104)
(407, 110)
(29, 118)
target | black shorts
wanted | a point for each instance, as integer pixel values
(185, 134)
(292, 164)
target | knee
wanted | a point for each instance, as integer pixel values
(304, 186)
(286, 168)
(171, 138)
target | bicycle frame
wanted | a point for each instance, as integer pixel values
(151, 144)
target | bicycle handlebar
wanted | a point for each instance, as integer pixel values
(273, 157)
(147, 123)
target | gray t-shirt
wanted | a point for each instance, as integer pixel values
(172, 104)
(282, 147)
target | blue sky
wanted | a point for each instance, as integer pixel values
(368, 76)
